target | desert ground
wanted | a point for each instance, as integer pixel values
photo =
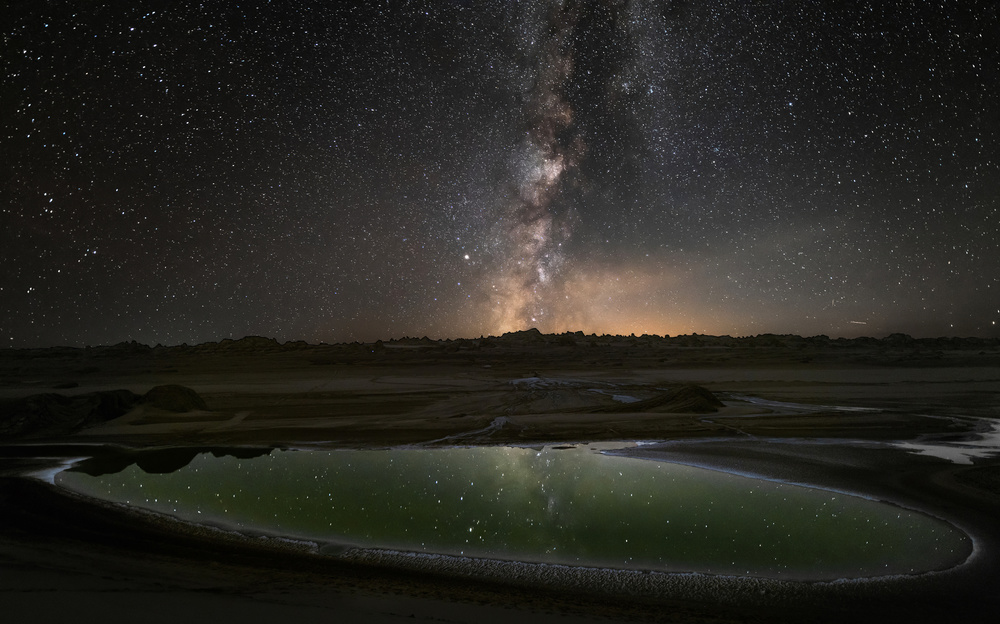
(910, 422)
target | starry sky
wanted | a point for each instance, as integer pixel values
(179, 171)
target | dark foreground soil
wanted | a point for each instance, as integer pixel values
(66, 558)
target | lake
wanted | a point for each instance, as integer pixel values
(570, 505)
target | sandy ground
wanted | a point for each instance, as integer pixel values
(830, 422)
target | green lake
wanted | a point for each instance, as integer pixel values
(565, 505)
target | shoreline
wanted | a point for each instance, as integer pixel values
(610, 586)
(625, 448)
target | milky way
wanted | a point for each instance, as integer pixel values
(185, 171)
(536, 223)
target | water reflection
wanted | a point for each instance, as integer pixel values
(560, 505)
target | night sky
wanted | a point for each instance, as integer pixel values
(182, 171)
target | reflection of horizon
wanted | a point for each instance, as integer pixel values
(569, 505)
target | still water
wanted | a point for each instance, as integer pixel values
(562, 505)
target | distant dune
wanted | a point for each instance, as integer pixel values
(528, 337)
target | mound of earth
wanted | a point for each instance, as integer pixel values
(174, 398)
(688, 399)
(56, 414)
(51, 414)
